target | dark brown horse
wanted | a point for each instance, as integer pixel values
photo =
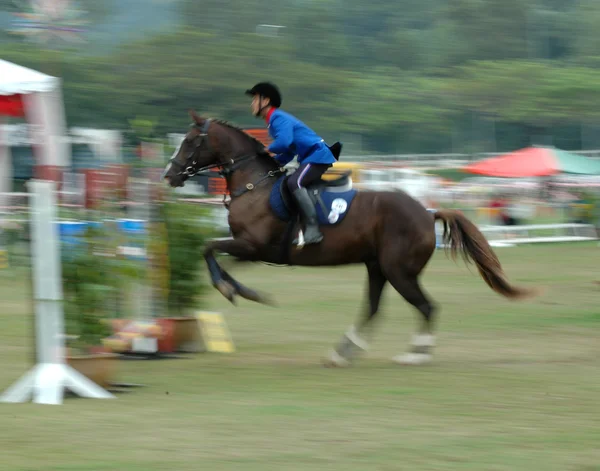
(392, 234)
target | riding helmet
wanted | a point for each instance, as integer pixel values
(267, 90)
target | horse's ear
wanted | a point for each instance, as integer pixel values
(197, 119)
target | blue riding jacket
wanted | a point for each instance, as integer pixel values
(292, 137)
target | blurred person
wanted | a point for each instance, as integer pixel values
(292, 137)
(509, 212)
(582, 208)
(498, 204)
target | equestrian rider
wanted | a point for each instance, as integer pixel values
(292, 137)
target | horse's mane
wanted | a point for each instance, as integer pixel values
(259, 147)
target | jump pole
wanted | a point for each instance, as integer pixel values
(46, 382)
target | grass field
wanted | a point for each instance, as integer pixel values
(514, 386)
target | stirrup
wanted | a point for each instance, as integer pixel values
(318, 236)
(318, 240)
(299, 241)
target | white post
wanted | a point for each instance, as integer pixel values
(45, 111)
(46, 381)
(6, 174)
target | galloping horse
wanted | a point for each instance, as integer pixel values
(392, 234)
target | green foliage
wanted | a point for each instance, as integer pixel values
(143, 128)
(89, 285)
(12, 239)
(402, 76)
(95, 280)
(186, 233)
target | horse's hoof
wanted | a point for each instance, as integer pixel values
(412, 359)
(335, 360)
(251, 295)
(268, 301)
(226, 290)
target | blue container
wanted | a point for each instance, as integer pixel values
(132, 226)
(71, 228)
(70, 232)
(135, 229)
(71, 235)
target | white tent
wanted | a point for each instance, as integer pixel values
(15, 79)
(38, 98)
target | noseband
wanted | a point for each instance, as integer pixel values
(189, 169)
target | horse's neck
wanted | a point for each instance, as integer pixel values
(252, 169)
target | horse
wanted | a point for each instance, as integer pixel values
(389, 232)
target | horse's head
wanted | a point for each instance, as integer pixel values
(194, 154)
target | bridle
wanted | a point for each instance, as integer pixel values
(190, 167)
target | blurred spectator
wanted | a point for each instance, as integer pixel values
(503, 210)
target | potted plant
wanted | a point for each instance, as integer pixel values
(90, 290)
(176, 249)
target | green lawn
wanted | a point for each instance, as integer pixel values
(514, 386)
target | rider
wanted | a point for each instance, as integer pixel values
(292, 137)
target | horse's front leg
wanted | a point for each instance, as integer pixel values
(222, 280)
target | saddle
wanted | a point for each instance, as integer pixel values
(331, 198)
(322, 194)
(342, 183)
(316, 188)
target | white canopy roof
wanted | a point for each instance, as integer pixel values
(18, 79)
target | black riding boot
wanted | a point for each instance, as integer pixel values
(312, 235)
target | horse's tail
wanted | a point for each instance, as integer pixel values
(461, 235)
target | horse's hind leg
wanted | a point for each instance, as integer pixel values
(353, 343)
(423, 342)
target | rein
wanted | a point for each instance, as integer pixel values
(231, 167)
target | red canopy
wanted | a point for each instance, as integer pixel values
(535, 162)
(528, 162)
